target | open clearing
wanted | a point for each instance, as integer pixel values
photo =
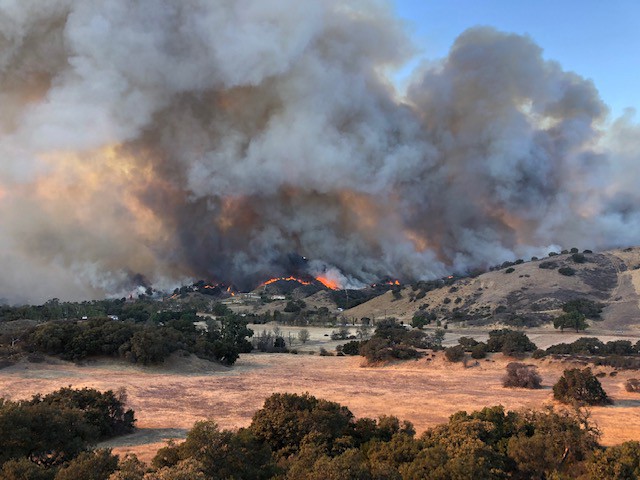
(169, 399)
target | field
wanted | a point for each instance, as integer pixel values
(170, 398)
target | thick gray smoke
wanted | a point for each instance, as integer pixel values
(200, 139)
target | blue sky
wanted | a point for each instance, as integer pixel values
(597, 39)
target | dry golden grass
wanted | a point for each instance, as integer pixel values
(168, 401)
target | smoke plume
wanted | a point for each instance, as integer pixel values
(199, 139)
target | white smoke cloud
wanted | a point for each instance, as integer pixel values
(212, 139)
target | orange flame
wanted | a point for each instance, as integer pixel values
(332, 284)
(285, 279)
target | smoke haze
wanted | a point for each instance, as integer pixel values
(198, 139)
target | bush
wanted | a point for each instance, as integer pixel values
(581, 387)
(566, 271)
(520, 375)
(539, 353)
(350, 348)
(479, 351)
(578, 258)
(509, 342)
(510, 270)
(548, 265)
(342, 334)
(454, 354)
(582, 346)
(632, 385)
(467, 343)
(380, 349)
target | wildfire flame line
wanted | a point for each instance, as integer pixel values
(284, 279)
(332, 284)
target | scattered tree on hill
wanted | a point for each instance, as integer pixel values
(574, 320)
(422, 318)
(566, 271)
(588, 308)
(520, 375)
(581, 387)
(578, 258)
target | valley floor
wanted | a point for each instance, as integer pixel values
(169, 399)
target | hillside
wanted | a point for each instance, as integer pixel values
(528, 293)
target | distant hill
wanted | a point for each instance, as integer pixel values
(529, 293)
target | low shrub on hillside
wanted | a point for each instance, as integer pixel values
(566, 271)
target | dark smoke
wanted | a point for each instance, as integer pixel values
(226, 140)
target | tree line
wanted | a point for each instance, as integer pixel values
(42, 435)
(301, 437)
(147, 343)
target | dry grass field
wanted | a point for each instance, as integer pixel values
(169, 399)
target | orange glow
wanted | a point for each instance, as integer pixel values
(393, 282)
(284, 279)
(332, 284)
